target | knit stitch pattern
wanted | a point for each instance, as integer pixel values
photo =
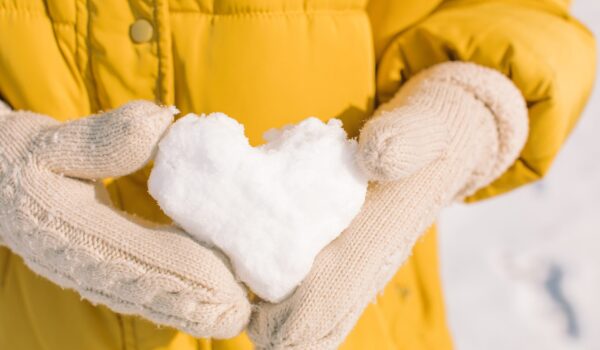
(449, 131)
(56, 217)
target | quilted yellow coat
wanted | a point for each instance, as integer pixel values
(268, 63)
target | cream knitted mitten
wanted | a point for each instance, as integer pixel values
(55, 217)
(449, 131)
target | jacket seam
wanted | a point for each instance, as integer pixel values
(29, 12)
(93, 94)
(270, 13)
(33, 14)
(544, 6)
(22, 10)
(158, 89)
(121, 330)
(4, 264)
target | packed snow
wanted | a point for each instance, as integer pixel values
(522, 271)
(270, 209)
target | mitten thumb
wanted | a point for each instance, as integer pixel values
(109, 144)
(396, 144)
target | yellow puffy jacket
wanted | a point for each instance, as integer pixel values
(268, 63)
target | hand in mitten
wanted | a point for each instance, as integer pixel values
(57, 219)
(449, 131)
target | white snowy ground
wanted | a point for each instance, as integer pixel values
(523, 271)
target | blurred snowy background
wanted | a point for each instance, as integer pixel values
(523, 271)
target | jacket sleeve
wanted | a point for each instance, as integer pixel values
(548, 54)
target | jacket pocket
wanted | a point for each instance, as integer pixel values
(4, 262)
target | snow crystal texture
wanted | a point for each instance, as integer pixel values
(271, 208)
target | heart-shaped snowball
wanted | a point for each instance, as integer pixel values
(272, 208)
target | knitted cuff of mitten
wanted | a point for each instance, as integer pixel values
(407, 134)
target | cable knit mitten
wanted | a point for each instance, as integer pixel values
(54, 216)
(449, 131)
